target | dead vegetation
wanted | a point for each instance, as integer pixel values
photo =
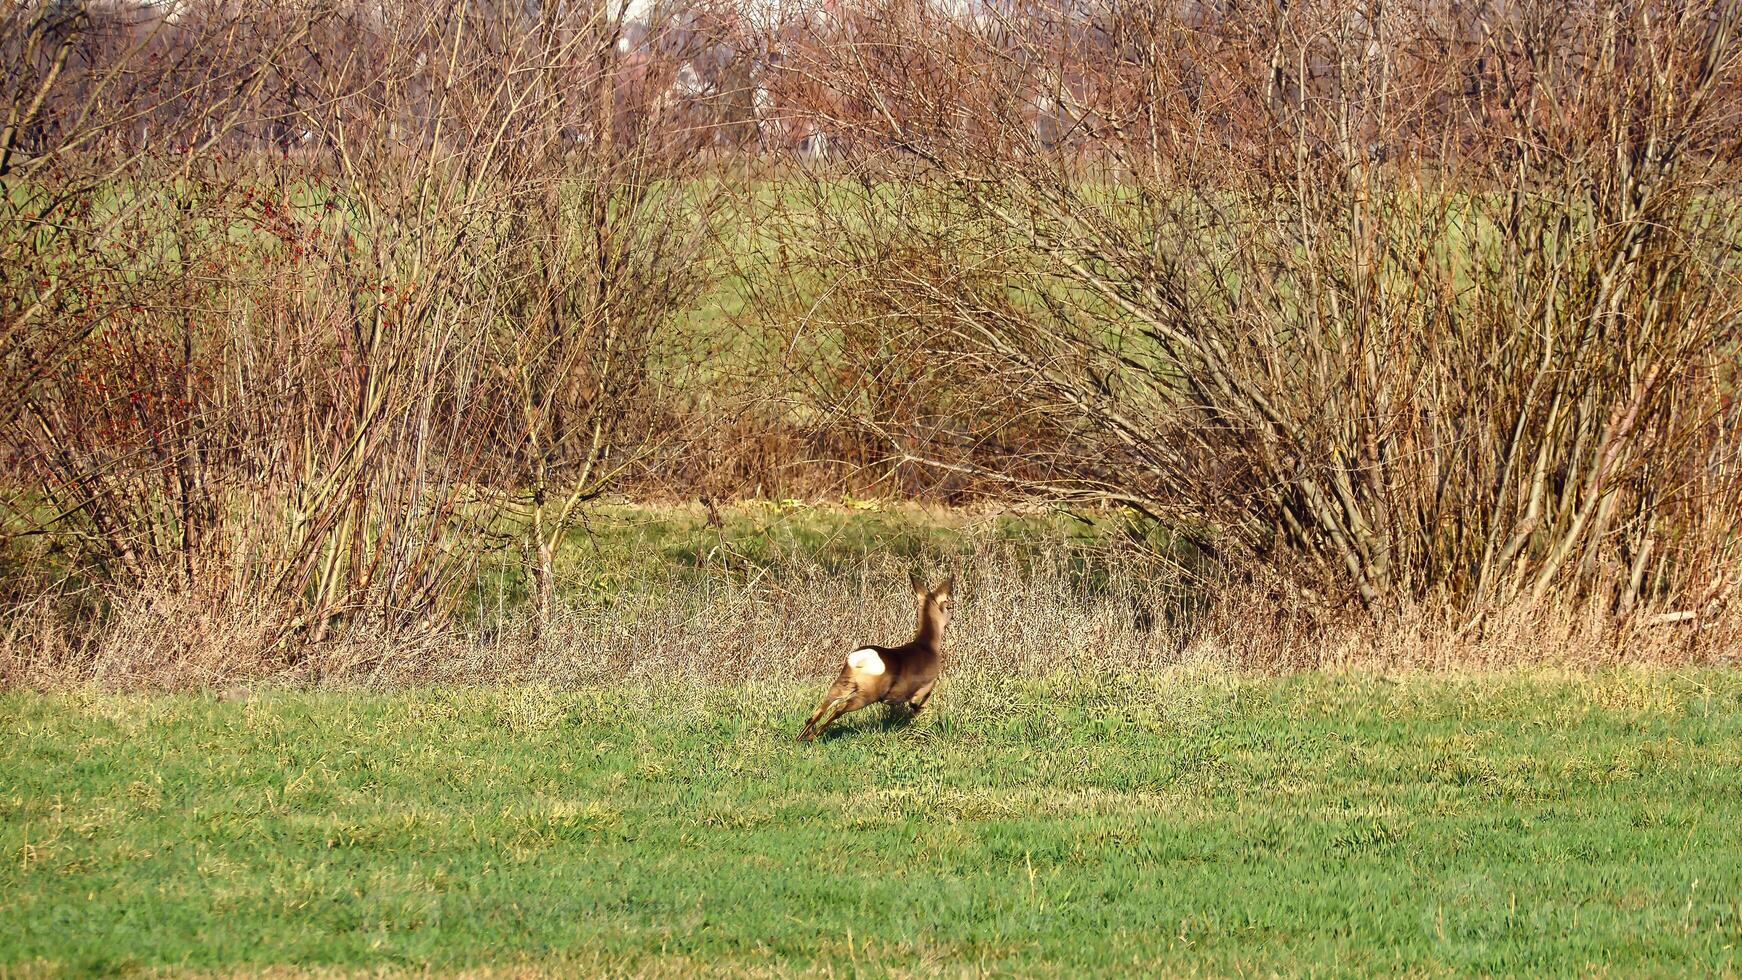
(1413, 332)
(1379, 307)
(1026, 608)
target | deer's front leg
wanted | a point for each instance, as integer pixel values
(921, 696)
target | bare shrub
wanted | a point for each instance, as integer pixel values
(1377, 307)
(292, 353)
(594, 259)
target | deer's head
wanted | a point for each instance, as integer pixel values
(935, 604)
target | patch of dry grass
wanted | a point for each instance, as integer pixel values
(784, 592)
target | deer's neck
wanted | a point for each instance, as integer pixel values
(931, 629)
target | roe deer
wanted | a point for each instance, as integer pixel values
(893, 675)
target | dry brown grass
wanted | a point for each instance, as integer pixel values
(1024, 612)
(165, 637)
(1519, 637)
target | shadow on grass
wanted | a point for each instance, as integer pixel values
(890, 719)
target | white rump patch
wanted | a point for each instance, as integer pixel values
(866, 661)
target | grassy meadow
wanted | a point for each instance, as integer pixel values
(446, 453)
(1172, 821)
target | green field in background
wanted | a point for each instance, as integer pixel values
(625, 548)
(1175, 822)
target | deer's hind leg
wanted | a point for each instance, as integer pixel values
(843, 696)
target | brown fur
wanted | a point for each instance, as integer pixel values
(910, 670)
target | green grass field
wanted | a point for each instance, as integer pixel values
(1186, 822)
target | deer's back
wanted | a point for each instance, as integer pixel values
(905, 668)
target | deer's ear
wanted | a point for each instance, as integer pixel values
(943, 591)
(915, 580)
